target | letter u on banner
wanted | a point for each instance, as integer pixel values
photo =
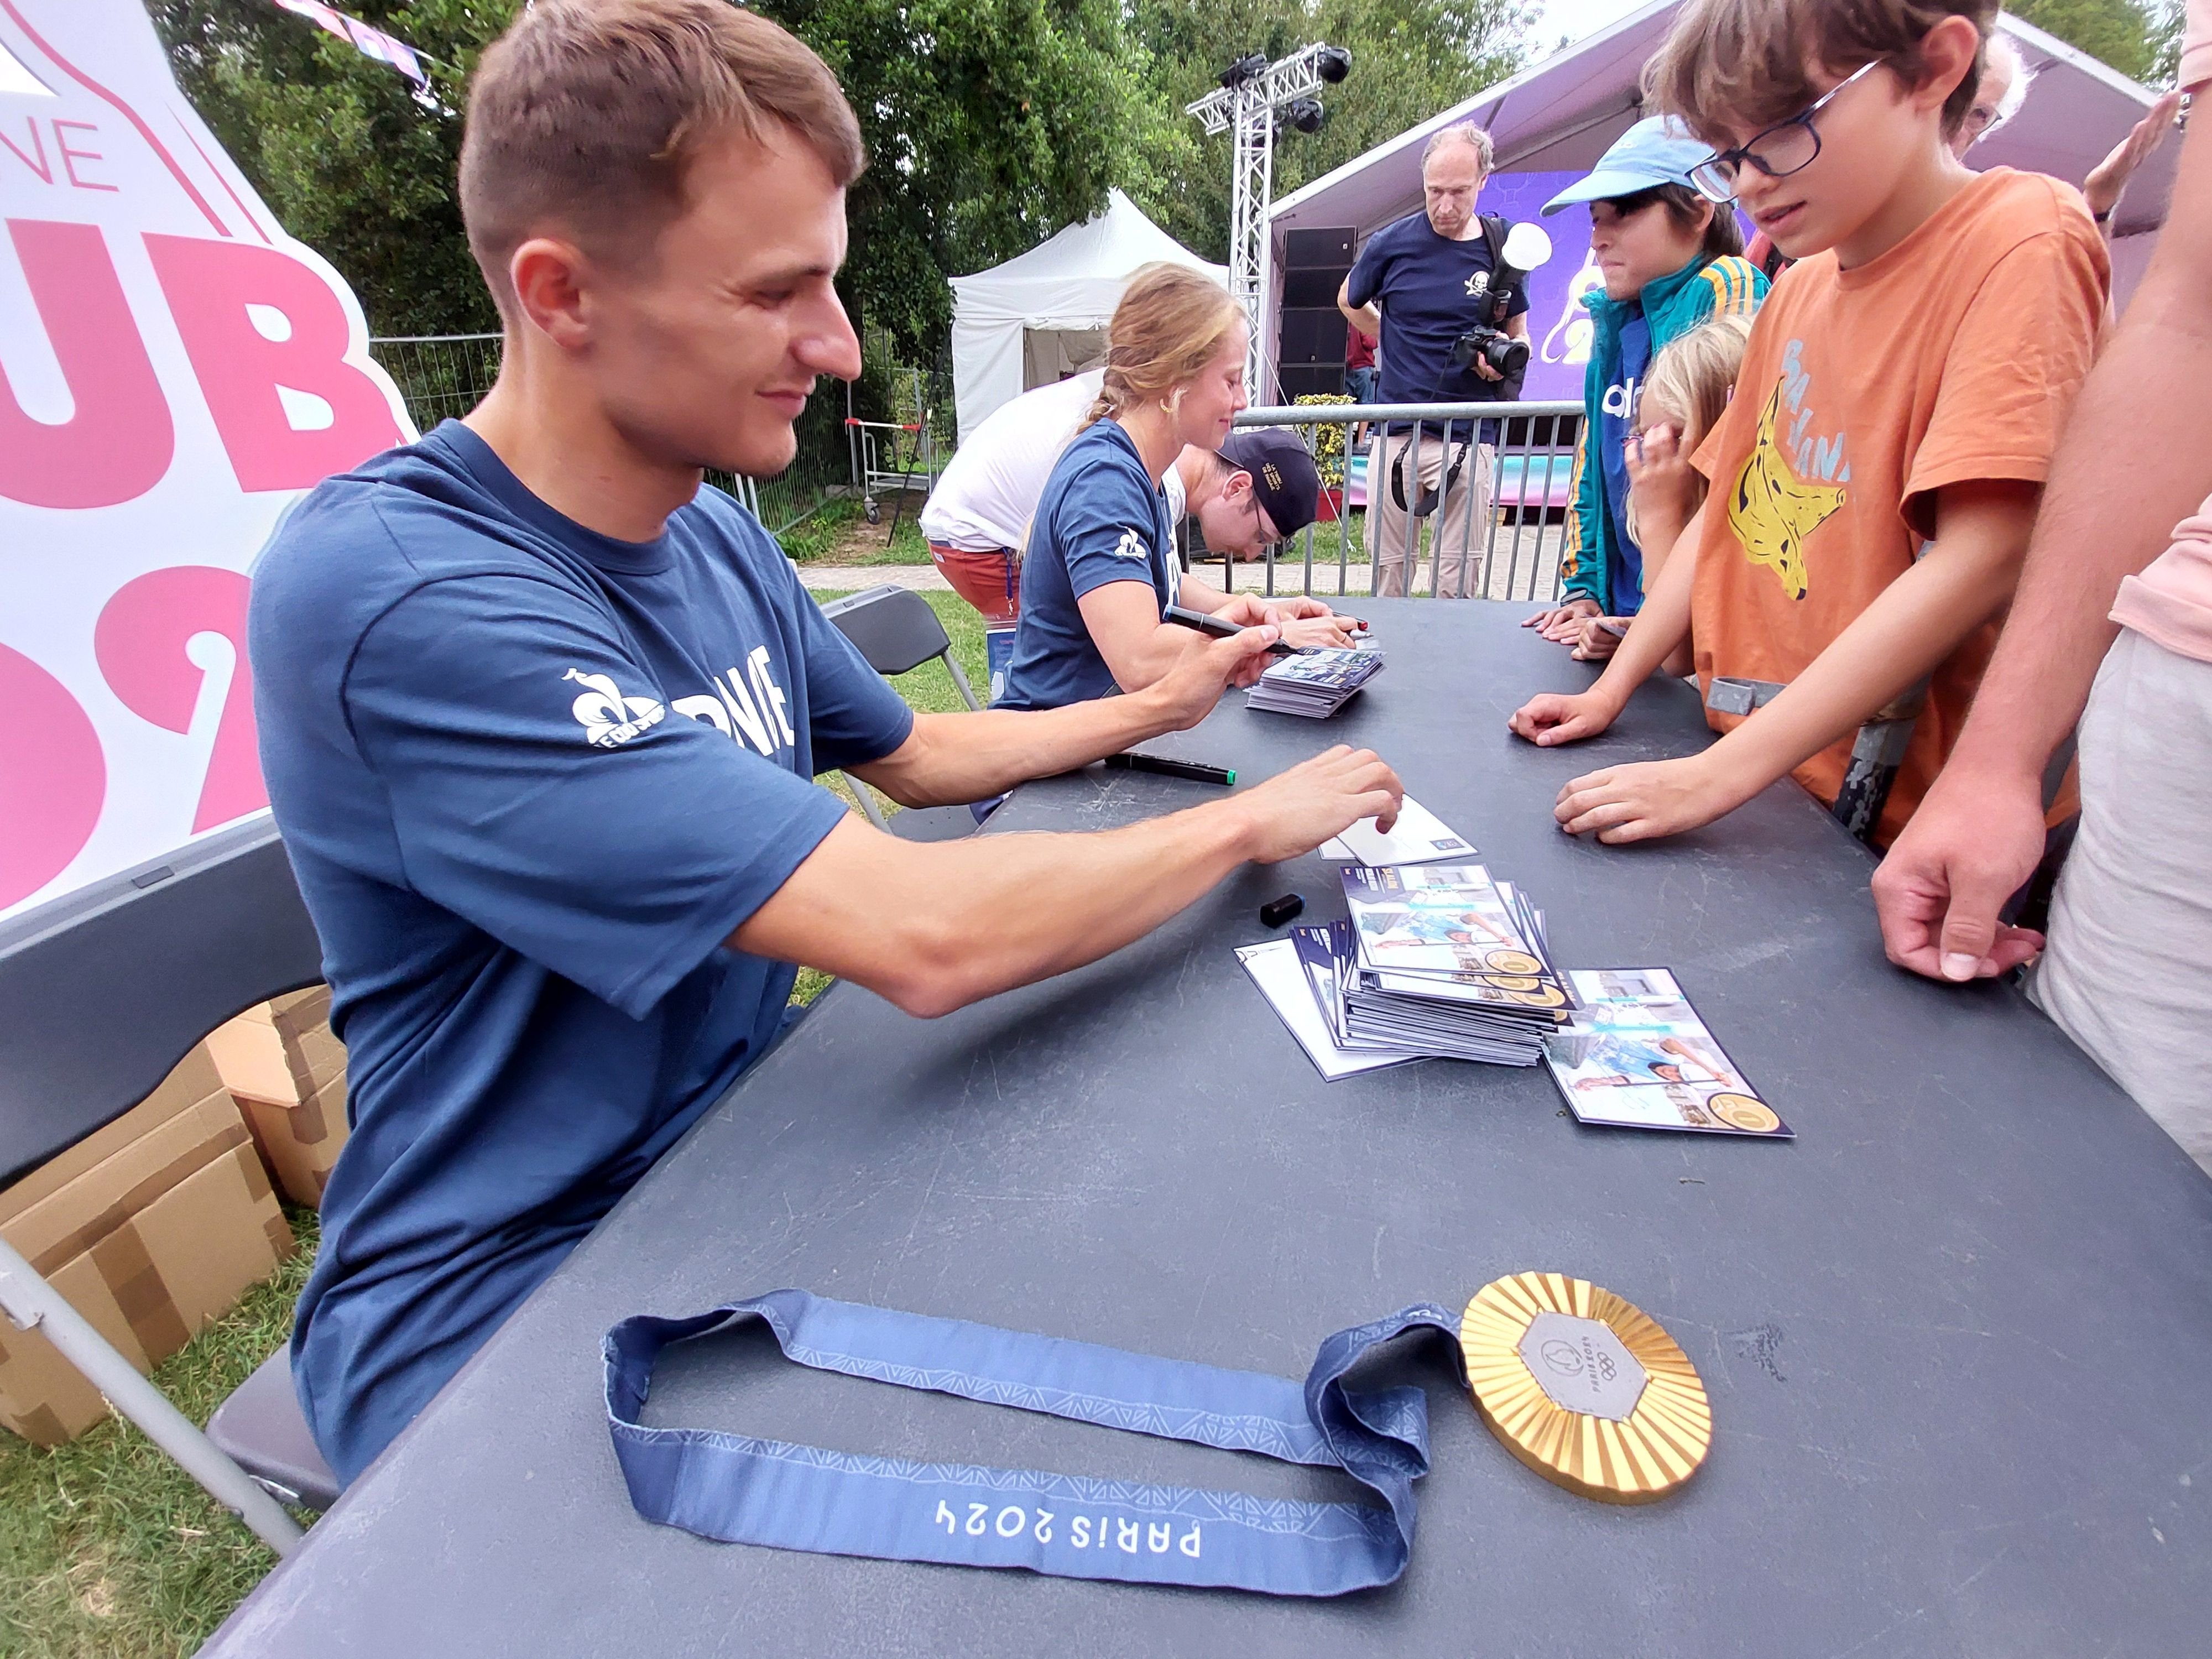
(116, 444)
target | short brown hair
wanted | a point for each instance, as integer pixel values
(1743, 61)
(587, 115)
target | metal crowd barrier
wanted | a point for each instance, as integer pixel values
(1515, 549)
(441, 375)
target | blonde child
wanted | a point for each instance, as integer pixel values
(1685, 393)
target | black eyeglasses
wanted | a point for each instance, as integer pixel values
(1785, 147)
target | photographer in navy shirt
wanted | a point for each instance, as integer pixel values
(1420, 284)
(540, 715)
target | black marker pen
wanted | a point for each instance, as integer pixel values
(1203, 623)
(1196, 771)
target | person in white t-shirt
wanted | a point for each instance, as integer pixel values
(978, 515)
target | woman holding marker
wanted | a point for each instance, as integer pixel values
(1100, 570)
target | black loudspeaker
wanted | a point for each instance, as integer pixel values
(1311, 379)
(1309, 348)
(1318, 250)
(1313, 336)
(1314, 287)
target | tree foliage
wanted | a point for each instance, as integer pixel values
(989, 123)
(338, 147)
(1410, 58)
(2123, 34)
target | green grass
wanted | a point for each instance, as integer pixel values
(839, 534)
(107, 1549)
(928, 688)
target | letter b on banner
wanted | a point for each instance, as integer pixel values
(267, 340)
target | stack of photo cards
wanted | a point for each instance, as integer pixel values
(1636, 1056)
(1315, 683)
(1419, 836)
(1446, 959)
(1279, 971)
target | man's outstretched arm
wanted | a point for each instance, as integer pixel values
(933, 927)
(952, 758)
(1978, 835)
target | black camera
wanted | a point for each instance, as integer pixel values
(1508, 356)
(1526, 248)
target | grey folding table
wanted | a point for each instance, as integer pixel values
(1958, 1335)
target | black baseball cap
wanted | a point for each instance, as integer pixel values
(1284, 476)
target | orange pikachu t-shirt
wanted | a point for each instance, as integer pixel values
(1953, 357)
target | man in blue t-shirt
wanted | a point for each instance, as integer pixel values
(1420, 284)
(540, 715)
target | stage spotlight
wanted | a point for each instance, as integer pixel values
(1250, 67)
(1333, 63)
(1306, 114)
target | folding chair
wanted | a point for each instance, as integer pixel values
(897, 632)
(180, 946)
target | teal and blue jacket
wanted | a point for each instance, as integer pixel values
(1716, 287)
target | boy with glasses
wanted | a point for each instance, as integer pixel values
(1876, 477)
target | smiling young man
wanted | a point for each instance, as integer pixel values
(1876, 475)
(540, 715)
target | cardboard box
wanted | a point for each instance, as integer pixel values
(300, 1144)
(193, 1080)
(280, 1051)
(71, 1221)
(149, 1242)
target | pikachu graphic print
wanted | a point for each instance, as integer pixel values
(1771, 510)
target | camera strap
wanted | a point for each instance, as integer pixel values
(739, 1489)
(1410, 450)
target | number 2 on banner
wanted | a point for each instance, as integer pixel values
(145, 641)
(153, 643)
(47, 737)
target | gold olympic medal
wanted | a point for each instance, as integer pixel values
(1743, 1112)
(1550, 997)
(1512, 962)
(1584, 1387)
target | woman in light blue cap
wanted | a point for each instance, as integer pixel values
(1670, 259)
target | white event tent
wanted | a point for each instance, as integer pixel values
(1043, 312)
(1560, 114)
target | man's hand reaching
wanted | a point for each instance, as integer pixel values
(1970, 847)
(2109, 177)
(1294, 811)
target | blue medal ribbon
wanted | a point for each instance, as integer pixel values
(740, 1489)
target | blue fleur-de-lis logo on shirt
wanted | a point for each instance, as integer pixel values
(1132, 546)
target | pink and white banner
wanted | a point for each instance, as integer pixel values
(369, 41)
(174, 371)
